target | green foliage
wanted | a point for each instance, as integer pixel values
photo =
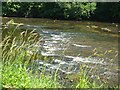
(84, 81)
(107, 11)
(77, 10)
(55, 10)
(0, 75)
(104, 11)
(17, 76)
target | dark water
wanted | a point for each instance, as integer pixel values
(78, 42)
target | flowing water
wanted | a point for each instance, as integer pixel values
(75, 43)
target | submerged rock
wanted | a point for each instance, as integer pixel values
(106, 29)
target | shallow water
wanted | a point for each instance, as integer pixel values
(76, 43)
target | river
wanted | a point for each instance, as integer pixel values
(73, 43)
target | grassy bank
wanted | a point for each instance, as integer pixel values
(18, 52)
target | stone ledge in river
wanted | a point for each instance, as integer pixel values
(109, 30)
(104, 29)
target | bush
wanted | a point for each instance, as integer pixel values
(55, 10)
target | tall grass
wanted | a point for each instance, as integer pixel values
(84, 80)
(0, 75)
(16, 46)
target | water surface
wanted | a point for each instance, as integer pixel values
(76, 43)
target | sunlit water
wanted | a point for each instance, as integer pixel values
(74, 43)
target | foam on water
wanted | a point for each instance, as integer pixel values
(82, 46)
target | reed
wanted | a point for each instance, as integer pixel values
(17, 56)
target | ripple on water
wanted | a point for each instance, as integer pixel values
(55, 42)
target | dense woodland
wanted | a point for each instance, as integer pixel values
(103, 11)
